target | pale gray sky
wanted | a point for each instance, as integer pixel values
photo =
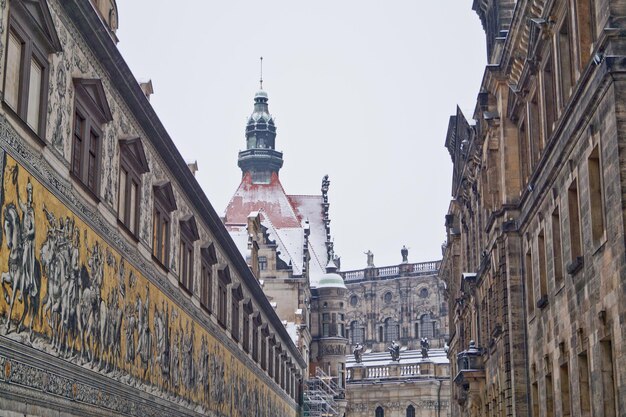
(361, 90)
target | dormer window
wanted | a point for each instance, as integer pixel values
(91, 111)
(31, 38)
(132, 165)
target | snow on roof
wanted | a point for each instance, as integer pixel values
(270, 198)
(309, 207)
(290, 242)
(292, 330)
(284, 217)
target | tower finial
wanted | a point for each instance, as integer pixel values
(261, 73)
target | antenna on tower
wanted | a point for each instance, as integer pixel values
(261, 73)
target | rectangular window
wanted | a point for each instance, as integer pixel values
(549, 97)
(26, 71)
(264, 353)
(530, 291)
(245, 340)
(608, 379)
(222, 303)
(583, 383)
(15, 49)
(255, 343)
(121, 200)
(325, 325)
(262, 263)
(34, 94)
(566, 66)
(185, 277)
(535, 133)
(86, 150)
(566, 406)
(234, 318)
(586, 15)
(132, 207)
(543, 270)
(557, 257)
(596, 198)
(534, 393)
(549, 396)
(574, 222)
(206, 285)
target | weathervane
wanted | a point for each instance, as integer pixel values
(261, 73)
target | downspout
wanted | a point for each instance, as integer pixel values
(439, 399)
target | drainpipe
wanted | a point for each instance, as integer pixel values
(439, 399)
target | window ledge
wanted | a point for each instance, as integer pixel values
(130, 234)
(186, 290)
(599, 244)
(575, 265)
(29, 130)
(87, 191)
(160, 264)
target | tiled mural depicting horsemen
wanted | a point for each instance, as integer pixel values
(66, 292)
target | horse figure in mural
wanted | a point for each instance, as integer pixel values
(17, 277)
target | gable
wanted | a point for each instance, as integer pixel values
(91, 92)
(133, 150)
(36, 14)
(165, 195)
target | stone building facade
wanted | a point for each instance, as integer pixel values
(535, 256)
(123, 294)
(414, 386)
(403, 302)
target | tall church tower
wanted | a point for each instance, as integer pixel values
(260, 160)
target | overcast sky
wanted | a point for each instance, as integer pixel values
(361, 90)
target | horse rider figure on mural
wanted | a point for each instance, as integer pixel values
(20, 234)
(394, 350)
(358, 353)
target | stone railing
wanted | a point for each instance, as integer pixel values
(421, 268)
(418, 369)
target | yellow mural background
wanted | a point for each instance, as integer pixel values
(236, 375)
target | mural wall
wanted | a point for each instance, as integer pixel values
(66, 292)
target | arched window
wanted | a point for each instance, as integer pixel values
(427, 326)
(356, 333)
(380, 412)
(410, 411)
(391, 330)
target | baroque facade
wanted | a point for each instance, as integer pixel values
(403, 302)
(535, 256)
(123, 294)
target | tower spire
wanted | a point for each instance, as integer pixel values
(261, 80)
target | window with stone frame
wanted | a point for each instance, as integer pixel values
(133, 165)
(410, 411)
(236, 295)
(427, 326)
(391, 330)
(208, 258)
(245, 328)
(325, 324)
(31, 38)
(222, 295)
(380, 412)
(356, 333)
(164, 204)
(264, 334)
(262, 263)
(188, 235)
(91, 112)
(271, 342)
(256, 323)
